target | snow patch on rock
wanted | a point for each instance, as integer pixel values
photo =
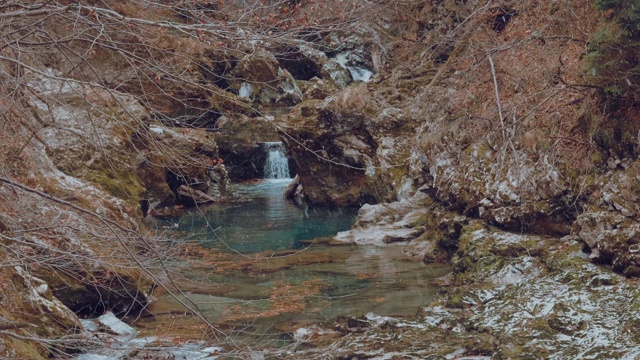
(115, 325)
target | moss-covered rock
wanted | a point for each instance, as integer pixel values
(92, 138)
(514, 193)
(488, 254)
(85, 236)
(27, 304)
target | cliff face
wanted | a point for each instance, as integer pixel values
(66, 236)
(77, 160)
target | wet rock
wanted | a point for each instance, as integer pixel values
(196, 196)
(289, 90)
(259, 77)
(219, 181)
(337, 73)
(240, 142)
(130, 160)
(431, 232)
(333, 133)
(292, 189)
(386, 223)
(83, 284)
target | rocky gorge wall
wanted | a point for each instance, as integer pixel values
(497, 131)
(496, 127)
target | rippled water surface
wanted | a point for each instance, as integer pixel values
(267, 222)
(283, 283)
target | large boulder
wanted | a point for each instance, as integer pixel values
(177, 157)
(333, 148)
(427, 230)
(259, 77)
(503, 187)
(353, 147)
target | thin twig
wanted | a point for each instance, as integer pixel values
(495, 87)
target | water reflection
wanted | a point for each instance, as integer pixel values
(314, 285)
(267, 222)
(263, 294)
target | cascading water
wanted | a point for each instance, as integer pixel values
(276, 165)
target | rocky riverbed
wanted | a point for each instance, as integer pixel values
(509, 296)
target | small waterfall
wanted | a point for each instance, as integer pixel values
(276, 165)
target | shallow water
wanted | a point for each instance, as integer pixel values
(276, 290)
(267, 222)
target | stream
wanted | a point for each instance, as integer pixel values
(268, 282)
(263, 221)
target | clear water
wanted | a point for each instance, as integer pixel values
(267, 221)
(279, 289)
(280, 294)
